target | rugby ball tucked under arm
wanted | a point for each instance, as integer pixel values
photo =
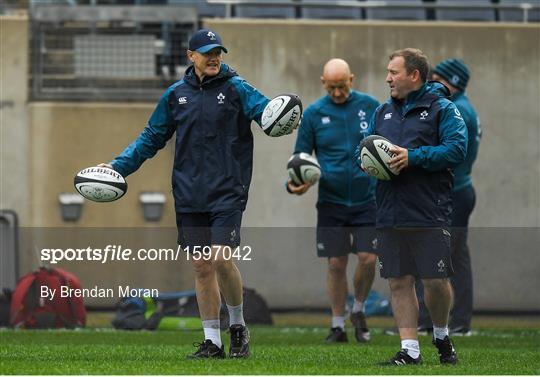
(375, 155)
(303, 168)
(281, 116)
(100, 184)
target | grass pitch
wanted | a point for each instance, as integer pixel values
(275, 350)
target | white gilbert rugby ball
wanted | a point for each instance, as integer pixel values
(303, 168)
(281, 115)
(375, 155)
(100, 184)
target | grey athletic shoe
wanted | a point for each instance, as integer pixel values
(239, 341)
(460, 331)
(361, 331)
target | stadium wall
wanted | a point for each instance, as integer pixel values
(281, 56)
(14, 146)
(287, 56)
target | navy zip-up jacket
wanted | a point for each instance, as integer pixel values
(213, 159)
(333, 131)
(433, 130)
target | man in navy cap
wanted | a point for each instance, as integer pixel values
(454, 74)
(210, 110)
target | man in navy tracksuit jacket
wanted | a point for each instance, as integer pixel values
(332, 127)
(414, 208)
(454, 74)
(210, 110)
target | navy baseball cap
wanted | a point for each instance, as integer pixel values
(205, 40)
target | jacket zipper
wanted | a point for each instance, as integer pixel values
(349, 158)
(402, 124)
(201, 135)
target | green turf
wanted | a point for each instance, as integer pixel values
(276, 350)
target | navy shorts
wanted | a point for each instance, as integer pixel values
(420, 252)
(209, 228)
(342, 230)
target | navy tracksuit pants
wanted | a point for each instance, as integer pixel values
(463, 202)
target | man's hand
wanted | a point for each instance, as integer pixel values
(105, 165)
(298, 190)
(400, 160)
(362, 167)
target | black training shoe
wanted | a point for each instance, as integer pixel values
(239, 341)
(447, 353)
(403, 358)
(207, 350)
(337, 335)
(361, 331)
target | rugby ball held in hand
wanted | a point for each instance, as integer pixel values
(281, 115)
(303, 168)
(375, 155)
(100, 184)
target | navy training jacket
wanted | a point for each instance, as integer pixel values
(333, 131)
(432, 129)
(213, 159)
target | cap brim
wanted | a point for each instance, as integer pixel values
(205, 49)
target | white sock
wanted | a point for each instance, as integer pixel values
(338, 321)
(358, 306)
(236, 315)
(440, 332)
(212, 331)
(412, 347)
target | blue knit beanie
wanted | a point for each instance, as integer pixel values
(455, 72)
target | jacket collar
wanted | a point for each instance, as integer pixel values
(423, 97)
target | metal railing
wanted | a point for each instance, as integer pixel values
(111, 52)
(108, 52)
(9, 249)
(524, 7)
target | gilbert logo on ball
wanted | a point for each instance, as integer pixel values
(303, 168)
(281, 115)
(100, 184)
(375, 155)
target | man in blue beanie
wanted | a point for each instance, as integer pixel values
(454, 74)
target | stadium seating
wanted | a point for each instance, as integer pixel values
(298, 8)
(511, 15)
(331, 12)
(465, 14)
(263, 11)
(397, 13)
(203, 8)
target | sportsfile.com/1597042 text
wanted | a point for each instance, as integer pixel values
(113, 253)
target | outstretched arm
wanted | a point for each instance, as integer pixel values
(155, 135)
